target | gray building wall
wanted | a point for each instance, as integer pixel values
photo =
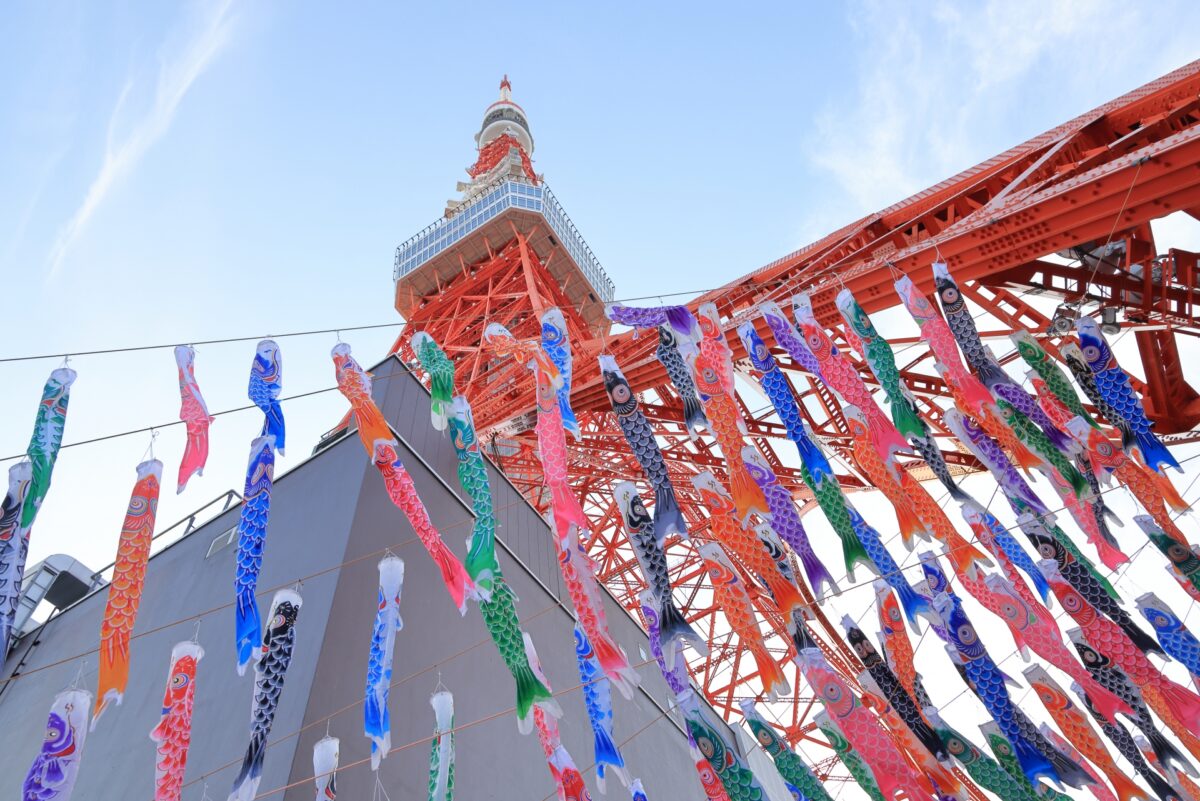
(330, 523)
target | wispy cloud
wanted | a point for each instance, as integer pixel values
(178, 70)
(944, 86)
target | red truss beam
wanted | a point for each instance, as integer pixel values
(1102, 176)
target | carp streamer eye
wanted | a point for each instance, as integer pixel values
(949, 295)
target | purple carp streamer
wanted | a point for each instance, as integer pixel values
(679, 319)
(52, 775)
(785, 520)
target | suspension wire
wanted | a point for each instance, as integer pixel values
(621, 744)
(429, 738)
(291, 582)
(406, 542)
(158, 426)
(134, 348)
(817, 599)
(304, 333)
(1112, 231)
(335, 330)
(397, 546)
(395, 683)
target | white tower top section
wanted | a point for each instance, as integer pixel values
(505, 116)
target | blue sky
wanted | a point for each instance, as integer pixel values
(214, 169)
(185, 172)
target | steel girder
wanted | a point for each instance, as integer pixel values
(1101, 177)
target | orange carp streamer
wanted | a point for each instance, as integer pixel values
(355, 384)
(731, 597)
(125, 591)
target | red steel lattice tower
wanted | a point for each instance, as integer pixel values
(1065, 214)
(505, 252)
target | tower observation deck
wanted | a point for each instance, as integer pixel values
(504, 251)
(504, 198)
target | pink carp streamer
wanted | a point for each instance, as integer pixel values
(194, 413)
(173, 734)
(125, 591)
(1178, 706)
(712, 371)
(1033, 627)
(861, 728)
(885, 476)
(577, 569)
(839, 374)
(355, 384)
(971, 396)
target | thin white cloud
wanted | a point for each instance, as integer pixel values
(178, 70)
(943, 86)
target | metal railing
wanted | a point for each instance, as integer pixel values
(484, 206)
